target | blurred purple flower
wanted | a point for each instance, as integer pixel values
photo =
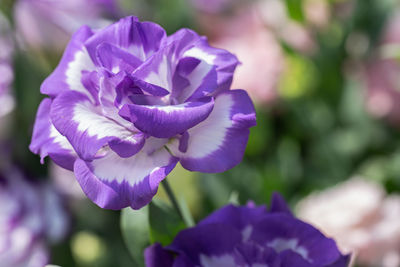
(49, 24)
(249, 236)
(6, 68)
(30, 216)
(127, 103)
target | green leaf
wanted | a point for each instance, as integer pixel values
(136, 232)
(295, 9)
(165, 222)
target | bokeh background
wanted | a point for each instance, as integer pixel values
(325, 79)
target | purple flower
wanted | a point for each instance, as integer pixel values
(249, 236)
(127, 103)
(30, 216)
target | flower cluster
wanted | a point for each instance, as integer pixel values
(128, 102)
(249, 236)
(30, 215)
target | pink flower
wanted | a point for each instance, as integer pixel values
(383, 83)
(360, 217)
(260, 55)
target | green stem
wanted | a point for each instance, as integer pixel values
(173, 200)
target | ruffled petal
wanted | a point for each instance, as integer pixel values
(88, 130)
(113, 182)
(167, 121)
(115, 59)
(47, 141)
(157, 71)
(218, 143)
(68, 74)
(193, 78)
(141, 39)
(224, 61)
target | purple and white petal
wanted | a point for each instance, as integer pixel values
(251, 254)
(218, 143)
(224, 62)
(193, 79)
(141, 39)
(168, 121)
(81, 122)
(157, 70)
(68, 74)
(283, 232)
(113, 182)
(47, 141)
(115, 59)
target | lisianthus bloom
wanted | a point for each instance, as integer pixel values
(48, 24)
(127, 103)
(31, 215)
(361, 218)
(249, 236)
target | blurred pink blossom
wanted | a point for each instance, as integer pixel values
(317, 12)
(382, 75)
(212, 6)
(295, 34)
(261, 57)
(360, 217)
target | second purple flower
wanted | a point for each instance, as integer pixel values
(127, 103)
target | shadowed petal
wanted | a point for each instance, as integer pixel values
(47, 141)
(167, 121)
